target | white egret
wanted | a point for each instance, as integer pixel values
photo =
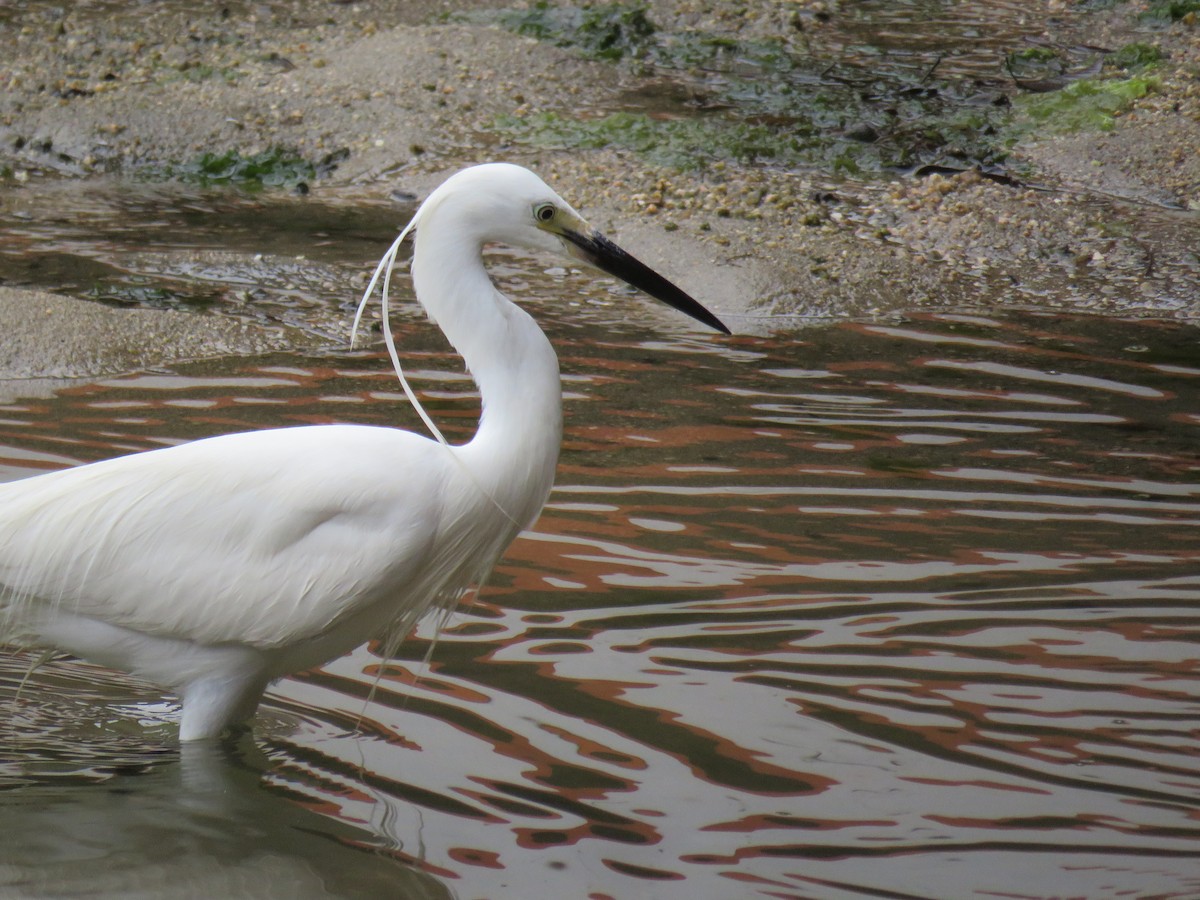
(217, 566)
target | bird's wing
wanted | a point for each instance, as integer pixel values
(263, 538)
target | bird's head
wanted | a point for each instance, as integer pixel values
(505, 203)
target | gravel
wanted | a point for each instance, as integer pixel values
(1100, 222)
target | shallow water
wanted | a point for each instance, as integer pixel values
(267, 257)
(952, 38)
(903, 609)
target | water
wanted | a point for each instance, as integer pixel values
(899, 609)
(968, 40)
(271, 258)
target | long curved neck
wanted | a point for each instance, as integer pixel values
(515, 450)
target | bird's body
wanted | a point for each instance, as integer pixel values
(216, 566)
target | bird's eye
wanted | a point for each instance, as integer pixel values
(544, 212)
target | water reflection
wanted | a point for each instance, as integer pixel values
(958, 39)
(101, 811)
(270, 259)
(905, 609)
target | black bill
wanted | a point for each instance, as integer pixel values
(602, 253)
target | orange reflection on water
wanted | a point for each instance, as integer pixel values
(905, 623)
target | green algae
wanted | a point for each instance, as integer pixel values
(1086, 105)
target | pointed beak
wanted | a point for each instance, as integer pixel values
(594, 248)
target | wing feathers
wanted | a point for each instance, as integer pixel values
(265, 538)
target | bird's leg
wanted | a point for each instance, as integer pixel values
(213, 703)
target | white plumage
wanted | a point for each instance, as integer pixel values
(217, 566)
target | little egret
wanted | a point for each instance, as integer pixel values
(217, 566)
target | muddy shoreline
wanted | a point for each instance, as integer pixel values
(399, 94)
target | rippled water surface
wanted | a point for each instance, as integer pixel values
(904, 609)
(959, 38)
